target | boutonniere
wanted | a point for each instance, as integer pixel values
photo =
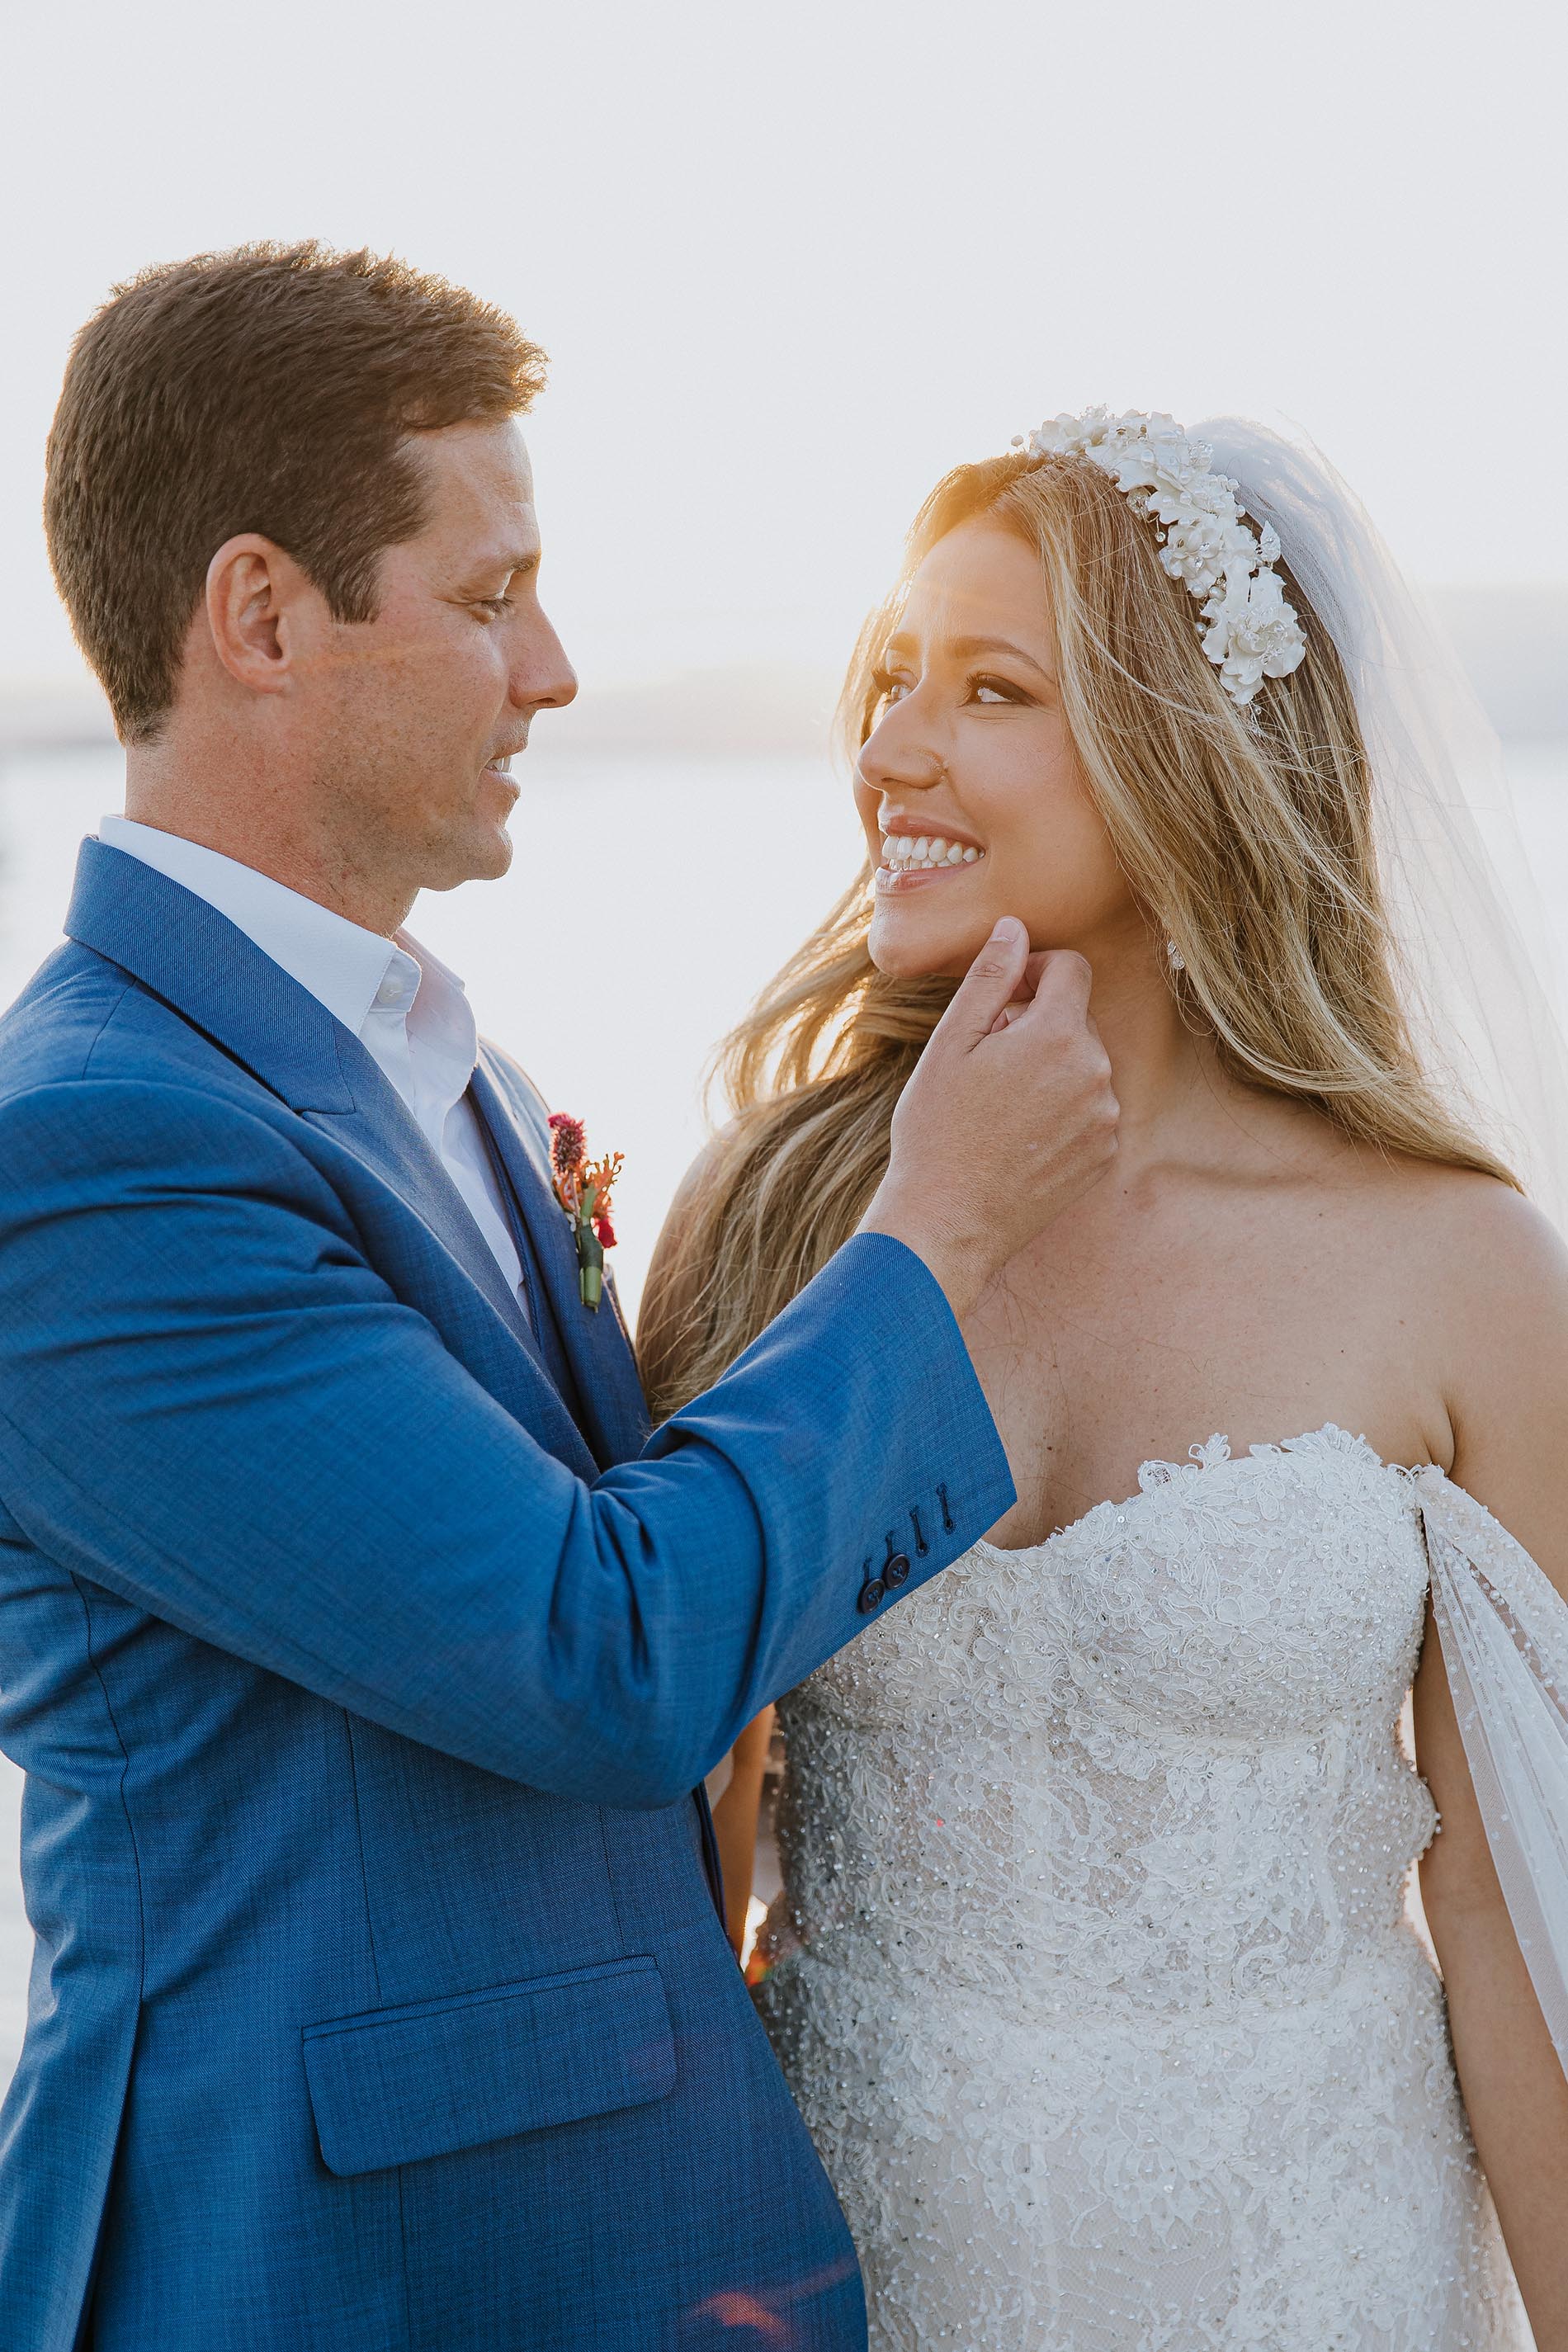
(583, 1187)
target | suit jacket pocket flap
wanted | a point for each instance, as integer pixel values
(399, 2084)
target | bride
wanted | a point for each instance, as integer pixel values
(1092, 1975)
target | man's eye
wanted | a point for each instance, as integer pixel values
(492, 608)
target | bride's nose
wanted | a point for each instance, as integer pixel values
(898, 754)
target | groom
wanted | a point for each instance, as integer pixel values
(362, 1648)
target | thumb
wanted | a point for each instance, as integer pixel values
(988, 984)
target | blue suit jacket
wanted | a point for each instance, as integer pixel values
(379, 1998)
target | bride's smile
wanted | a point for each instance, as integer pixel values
(910, 854)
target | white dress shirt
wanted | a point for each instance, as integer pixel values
(401, 1002)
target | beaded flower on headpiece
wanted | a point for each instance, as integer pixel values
(1249, 632)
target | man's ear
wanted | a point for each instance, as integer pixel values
(258, 603)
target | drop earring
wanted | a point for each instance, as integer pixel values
(1174, 957)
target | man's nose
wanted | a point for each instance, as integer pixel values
(544, 678)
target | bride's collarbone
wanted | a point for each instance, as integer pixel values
(1090, 1373)
(1078, 1429)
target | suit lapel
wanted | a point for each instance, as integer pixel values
(599, 1346)
(203, 965)
(381, 1131)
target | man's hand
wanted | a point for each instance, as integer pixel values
(1008, 1120)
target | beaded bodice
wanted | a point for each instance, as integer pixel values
(1151, 1760)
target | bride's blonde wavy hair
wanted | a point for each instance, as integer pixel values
(1250, 841)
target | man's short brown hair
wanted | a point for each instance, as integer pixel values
(271, 389)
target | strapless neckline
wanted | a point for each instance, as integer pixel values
(1158, 1478)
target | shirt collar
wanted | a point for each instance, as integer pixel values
(341, 963)
(429, 1003)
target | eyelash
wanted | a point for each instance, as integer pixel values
(886, 684)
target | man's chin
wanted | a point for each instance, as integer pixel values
(484, 856)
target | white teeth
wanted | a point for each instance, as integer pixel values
(925, 853)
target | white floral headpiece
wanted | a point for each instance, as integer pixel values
(1249, 632)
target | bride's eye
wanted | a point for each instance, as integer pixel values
(887, 690)
(991, 692)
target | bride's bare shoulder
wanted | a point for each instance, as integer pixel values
(1481, 1227)
(1476, 1237)
(1494, 1271)
(1478, 1279)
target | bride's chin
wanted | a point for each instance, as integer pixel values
(910, 958)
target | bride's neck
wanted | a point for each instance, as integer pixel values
(1161, 1071)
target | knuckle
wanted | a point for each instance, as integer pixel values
(1068, 972)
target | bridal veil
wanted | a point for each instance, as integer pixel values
(1482, 983)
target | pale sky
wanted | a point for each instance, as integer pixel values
(793, 263)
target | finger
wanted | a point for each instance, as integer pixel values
(1030, 978)
(1030, 985)
(988, 984)
(1063, 987)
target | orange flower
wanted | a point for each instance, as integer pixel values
(600, 1178)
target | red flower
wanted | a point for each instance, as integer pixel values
(570, 1147)
(604, 1232)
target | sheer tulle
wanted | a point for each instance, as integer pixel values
(1504, 1632)
(1480, 978)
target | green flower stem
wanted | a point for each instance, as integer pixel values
(589, 1264)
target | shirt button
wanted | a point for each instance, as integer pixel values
(871, 1592)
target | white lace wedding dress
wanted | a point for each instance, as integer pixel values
(1096, 1986)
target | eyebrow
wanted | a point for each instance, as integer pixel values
(510, 566)
(965, 649)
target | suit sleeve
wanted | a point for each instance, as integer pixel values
(213, 1405)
